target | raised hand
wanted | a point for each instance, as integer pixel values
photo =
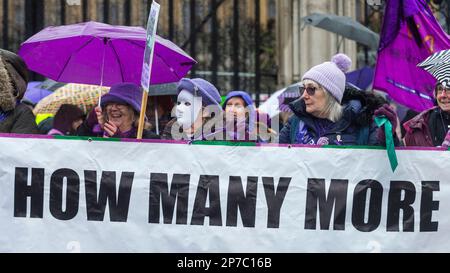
(110, 129)
(389, 113)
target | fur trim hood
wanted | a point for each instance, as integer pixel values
(369, 103)
(7, 99)
(13, 79)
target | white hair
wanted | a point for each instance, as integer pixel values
(333, 110)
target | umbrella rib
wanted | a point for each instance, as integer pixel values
(162, 59)
(154, 53)
(137, 44)
(71, 55)
(118, 60)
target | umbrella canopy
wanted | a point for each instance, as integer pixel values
(279, 100)
(101, 54)
(81, 95)
(164, 89)
(290, 94)
(438, 65)
(35, 92)
(51, 85)
(361, 78)
(345, 26)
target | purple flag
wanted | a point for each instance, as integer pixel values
(410, 34)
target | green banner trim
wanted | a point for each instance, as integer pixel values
(86, 138)
(224, 143)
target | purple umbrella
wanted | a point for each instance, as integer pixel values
(362, 78)
(101, 54)
(35, 93)
(290, 94)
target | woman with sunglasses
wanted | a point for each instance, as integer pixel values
(322, 116)
(431, 127)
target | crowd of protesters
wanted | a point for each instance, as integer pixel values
(328, 111)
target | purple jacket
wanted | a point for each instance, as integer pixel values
(417, 130)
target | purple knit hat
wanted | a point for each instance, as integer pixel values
(200, 87)
(331, 75)
(128, 93)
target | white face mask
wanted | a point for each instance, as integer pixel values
(188, 108)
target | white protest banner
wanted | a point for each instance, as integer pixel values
(105, 196)
(152, 25)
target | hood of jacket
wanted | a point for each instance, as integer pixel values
(13, 79)
(7, 99)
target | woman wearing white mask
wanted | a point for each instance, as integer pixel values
(197, 103)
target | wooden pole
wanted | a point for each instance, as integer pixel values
(155, 7)
(142, 115)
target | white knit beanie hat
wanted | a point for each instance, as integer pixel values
(331, 75)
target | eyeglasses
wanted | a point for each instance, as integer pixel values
(441, 90)
(116, 105)
(310, 90)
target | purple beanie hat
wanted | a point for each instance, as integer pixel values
(209, 93)
(128, 93)
(331, 75)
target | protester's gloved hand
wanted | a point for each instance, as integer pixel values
(390, 114)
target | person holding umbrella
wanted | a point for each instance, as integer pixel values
(430, 128)
(118, 114)
(15, 117)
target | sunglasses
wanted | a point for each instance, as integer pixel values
(310, 90)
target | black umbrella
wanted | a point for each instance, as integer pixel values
(344, 26)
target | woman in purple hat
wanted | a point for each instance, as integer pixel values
(118, 115)
(240, 117)
(197, 112)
